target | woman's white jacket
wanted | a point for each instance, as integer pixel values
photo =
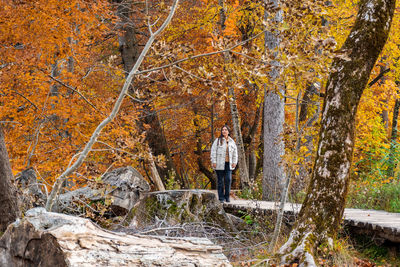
(218, 153)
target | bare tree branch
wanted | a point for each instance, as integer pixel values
(380, 75)
(57, 185)
(24, 97)
(200, 55)
(76, 91)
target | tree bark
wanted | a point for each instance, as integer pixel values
(307, 103)
(8, 209)
(157, 142)
(128, 43)
(274, 148)
(322, 211)
(252, 163)
(274, 117)
(381, 79)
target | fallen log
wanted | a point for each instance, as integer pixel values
(52, 239)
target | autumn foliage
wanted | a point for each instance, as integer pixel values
(61, 70)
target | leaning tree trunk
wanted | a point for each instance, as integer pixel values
(8, 208)
(155, 138)
(322, 210)
(274, 117)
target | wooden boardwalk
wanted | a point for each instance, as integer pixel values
(378, 224)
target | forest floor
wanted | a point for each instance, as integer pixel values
(350, 249)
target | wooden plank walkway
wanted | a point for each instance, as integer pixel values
(379, 224)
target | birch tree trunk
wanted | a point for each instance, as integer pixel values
(8, 208)
(274, 117)
(322, 211)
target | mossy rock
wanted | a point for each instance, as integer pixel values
(175, 207)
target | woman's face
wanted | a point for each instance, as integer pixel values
(225, 132)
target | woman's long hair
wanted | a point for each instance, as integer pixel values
(221, 137)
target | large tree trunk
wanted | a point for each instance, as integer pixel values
(274, 117)
(274, 148)
(128, 43)
(53, 239)
(322, 211)
(8, 208)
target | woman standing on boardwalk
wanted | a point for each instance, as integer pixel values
(224, 159)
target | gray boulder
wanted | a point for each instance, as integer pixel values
(123, 186)
(29, 190)
(127, 186)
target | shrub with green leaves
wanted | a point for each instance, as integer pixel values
(379, 197)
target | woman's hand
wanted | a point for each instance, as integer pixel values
(214, 165)
(233, 165)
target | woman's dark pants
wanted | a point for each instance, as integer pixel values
(224, 182)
